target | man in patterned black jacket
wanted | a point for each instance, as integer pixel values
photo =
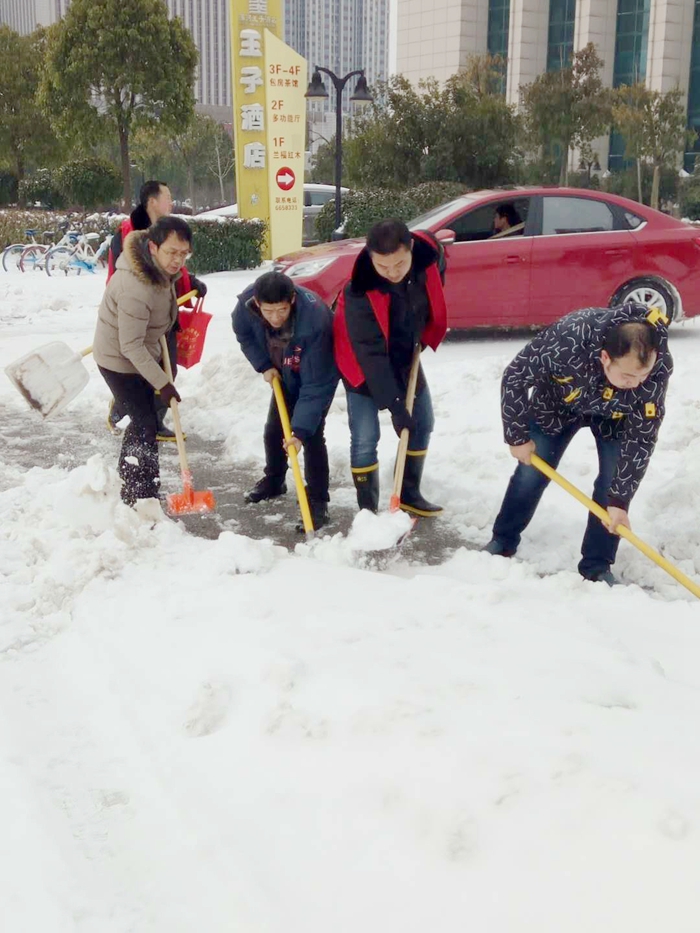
(607, 369)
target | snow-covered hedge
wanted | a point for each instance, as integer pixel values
(217, 246)
(224, 244)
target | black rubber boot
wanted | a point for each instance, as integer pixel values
(114, 416)
(269, 487)
(411, 499)
(163, 432)
(319, 516)
(366, 480)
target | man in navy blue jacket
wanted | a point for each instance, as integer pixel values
(287, 331)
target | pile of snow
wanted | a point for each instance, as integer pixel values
(218, 735)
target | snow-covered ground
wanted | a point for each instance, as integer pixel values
(207, 736)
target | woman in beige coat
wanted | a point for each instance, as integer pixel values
(139, 307)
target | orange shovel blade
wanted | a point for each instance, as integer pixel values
(191, 502)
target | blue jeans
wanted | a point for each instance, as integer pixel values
(527, 485)
(363, 416)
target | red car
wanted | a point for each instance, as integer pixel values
(562, 249)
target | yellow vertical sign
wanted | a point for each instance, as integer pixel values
(251, 20)
(285, 79)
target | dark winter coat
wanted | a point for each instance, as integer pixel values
(139, 220)
(377, 325)
(558, 380)
(309, 374)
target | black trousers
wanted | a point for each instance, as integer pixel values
(316, 469)
(161, 409)
(138, 464)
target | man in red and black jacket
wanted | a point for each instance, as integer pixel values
(393, 302)
(155, 201)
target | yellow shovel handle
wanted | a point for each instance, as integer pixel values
(184, 298)
(400, 467)
(296, 470)
(602, 514)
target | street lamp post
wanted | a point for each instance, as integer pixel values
(361, 94)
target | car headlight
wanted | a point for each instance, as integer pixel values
(309, 267)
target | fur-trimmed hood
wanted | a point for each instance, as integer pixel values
(136, 258)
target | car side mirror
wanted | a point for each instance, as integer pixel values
(445, 236)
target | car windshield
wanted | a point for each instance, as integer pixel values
(434, 216)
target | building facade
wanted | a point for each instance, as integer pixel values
(344, 36)
(208, 21)
(25, 15)
(655, 41)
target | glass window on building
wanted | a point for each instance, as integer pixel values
(497, 35)
(694, 92)
(631, 42)
(560, 40)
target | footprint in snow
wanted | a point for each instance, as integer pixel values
(208, 712)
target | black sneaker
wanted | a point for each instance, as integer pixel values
(266, 488)
(498, 549)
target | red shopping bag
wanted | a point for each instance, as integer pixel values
(190, 337)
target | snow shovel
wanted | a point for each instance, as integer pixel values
(296, 469)
(50, 378)
(602, 514)
(188, 501)
(382, 554)
(395, 501)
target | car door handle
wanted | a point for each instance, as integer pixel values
(620, 251)
(511, 260)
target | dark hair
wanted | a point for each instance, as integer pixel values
(638, 337)
(150, 189)
(387, 236)
(509, 212)
(159, 232)
(273, 287)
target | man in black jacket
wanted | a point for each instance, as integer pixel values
(287, 331)
(393, 303)
(599, 368)
(155, 201)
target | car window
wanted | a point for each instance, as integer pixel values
(575, 215)
(478, 223)
(318, 198)
(633, 220)
(437, 214)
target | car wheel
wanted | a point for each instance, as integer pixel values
(648, 292)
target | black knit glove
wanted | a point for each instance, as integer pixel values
(199, 285)
(400, 417)
(168, 393)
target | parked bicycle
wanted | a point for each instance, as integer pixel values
(12, 254)
(33, 257)
(77, 256)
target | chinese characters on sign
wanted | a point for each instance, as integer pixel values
(252, 118)
(269, 81)
(285, 78)
(249, 20)
(254, 155)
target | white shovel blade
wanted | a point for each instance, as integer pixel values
(49, 378)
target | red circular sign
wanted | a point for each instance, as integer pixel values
(285, 179)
